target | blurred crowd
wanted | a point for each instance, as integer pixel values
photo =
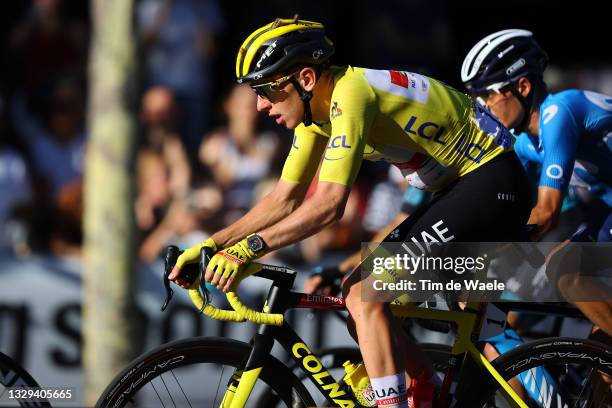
(205, 156)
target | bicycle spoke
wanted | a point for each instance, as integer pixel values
(585, 382)
(157, 393)
(167, 390)
(218, 386)
(181, 388)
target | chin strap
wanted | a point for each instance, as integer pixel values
(305, 97)
(527, 103)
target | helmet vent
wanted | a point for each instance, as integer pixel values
(504, 52)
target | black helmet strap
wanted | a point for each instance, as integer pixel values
(305, 96)
(527, 103)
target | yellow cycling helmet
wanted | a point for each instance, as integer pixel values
(280, 48)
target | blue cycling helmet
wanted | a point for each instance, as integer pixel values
(501, 58)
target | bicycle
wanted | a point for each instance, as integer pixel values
(13, 376)
(476, 381)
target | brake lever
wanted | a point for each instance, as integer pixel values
(189, 272)
(205, 257)
(172, 254)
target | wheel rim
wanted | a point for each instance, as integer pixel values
(562, 385)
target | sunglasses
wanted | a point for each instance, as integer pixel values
(496, 88)
(273, 90)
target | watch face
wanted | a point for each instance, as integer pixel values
(255, 243)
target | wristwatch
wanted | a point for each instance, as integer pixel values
(256, 243)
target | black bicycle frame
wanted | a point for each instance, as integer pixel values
(279, 300)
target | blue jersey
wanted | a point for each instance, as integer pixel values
(574, 147)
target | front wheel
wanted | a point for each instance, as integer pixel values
(196, 372)
(14, 377)
(555, 372)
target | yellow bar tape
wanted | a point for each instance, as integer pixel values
(240, 312)
(273, 319)
(211, 311)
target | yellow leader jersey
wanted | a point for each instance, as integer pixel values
(430, 131)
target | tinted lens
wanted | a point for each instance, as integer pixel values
(485, 93)
(272, 91)
(482, 95)
(259, 91)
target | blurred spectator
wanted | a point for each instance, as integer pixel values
(15, 193)
(153, 189)
(238, 155)
(168, 211)
(182, 223)
(66, 219)
(179, 41)
(46, 45)
(164, 218)
(384, 201)
(158, 116)
(56, 142)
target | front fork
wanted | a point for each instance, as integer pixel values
(243, 380)
(239, 388)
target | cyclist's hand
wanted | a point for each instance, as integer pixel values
(595, 186)
(324, 281)
(314, 285)
(190, 255)
(226, 266)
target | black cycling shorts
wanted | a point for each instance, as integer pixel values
(489, 204)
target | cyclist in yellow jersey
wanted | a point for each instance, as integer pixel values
(439, 138)
(427, 129)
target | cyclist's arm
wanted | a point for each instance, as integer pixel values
(323, 208)
(559, 139)
(526, 151)
(341, 160)
(289, 193)
(283, 200)
(546, 212)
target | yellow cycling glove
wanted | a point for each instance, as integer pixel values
(191, 255)
(231, 261)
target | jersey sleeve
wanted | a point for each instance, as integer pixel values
(304, 157)
(352, 111)
(521, 150)
(559, 134)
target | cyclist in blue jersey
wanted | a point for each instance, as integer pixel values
(568, 135)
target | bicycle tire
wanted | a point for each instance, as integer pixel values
(553, 351)
(198, 350)
(15, 376)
